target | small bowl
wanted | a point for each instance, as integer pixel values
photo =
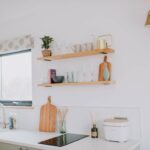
(57, 79)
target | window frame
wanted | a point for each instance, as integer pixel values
(16, 103)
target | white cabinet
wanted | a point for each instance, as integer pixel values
(4, 146)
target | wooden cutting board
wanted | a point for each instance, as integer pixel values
(48, 115)
(101, 69)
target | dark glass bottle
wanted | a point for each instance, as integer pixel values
(94, 131)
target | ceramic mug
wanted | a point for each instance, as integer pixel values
(101, 43)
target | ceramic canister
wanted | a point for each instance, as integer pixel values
(101, 43)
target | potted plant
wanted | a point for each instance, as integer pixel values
(47, 40)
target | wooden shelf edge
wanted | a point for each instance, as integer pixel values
(78, 54)
(76, 83)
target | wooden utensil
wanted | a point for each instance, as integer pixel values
(101, 69)
(48, 114)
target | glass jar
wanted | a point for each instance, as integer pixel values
(62, 126)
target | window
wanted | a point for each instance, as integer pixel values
(16, 79)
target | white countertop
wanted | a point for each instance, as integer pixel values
(32, 138)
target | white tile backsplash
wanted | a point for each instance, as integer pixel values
(79, 118)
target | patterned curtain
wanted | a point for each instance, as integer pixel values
(16, 44)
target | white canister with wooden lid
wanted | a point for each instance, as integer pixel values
(116, 129)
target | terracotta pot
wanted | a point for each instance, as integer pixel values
(46, 52)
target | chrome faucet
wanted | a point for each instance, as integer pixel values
(3, 114)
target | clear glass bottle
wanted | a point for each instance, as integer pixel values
(62, 126)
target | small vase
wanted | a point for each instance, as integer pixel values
(106, 73)
(46, 52)
(62, 126)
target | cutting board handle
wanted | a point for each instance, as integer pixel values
(105, 59)
(49, 99)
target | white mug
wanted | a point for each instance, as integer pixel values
(101, 43)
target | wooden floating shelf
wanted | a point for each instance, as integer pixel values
(75, 83)
(78, 54)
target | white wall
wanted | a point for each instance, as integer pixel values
(72, 22)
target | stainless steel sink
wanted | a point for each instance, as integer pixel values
(3, 130)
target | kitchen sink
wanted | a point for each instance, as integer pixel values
(3, 130)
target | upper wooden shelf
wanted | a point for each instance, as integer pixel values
(78, 54)
(75, 83)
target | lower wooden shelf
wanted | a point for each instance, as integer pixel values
(75, 83)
